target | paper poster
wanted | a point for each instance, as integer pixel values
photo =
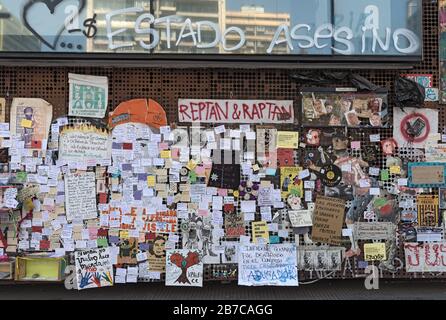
(311, 258)
(128, 249)
(427, 257)
(301, 218)
(199, 233)
(260, 232)
(442, 48)
(184, 268)
(162, 222)
(290, 182)
(88, 96)
(287, 139)
(413, 126)
(230, 253)
(375, 251)
(236, 111)
(31, 120)
(80, 196)
(426, 174)
(157, 253)
(328, 217)
(234, 223)
(268, 265)
(2, 110)
(374, 230)
(84, 143)
(94, 268)
(427, 208)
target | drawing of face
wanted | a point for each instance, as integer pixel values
(158, 247)
(388, 146)
(345, 106)
(329, 108)
(28, 113)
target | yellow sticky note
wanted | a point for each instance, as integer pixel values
(165, 154)
(260, 230)
(288, 139)
(151, 181)
(124, 234)
(375, 251)
(395, 169)
(191, 165)
(26, 123)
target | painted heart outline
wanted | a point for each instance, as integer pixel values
(51, 5)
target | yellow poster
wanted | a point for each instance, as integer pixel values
(375, 251)
(288, 139)
(260, 230)
(290, 182)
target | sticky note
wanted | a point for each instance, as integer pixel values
(384, 175)
(395, 170)
(356, 145)
(165, 154)
(151, 181)
(26, 123)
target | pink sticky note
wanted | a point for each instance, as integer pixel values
(163, 146)
(356, 144)
(222, 192)
(203, 213)
(199, 170)
(207, 165)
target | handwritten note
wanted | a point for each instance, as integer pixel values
(273, 265)
(94, 268)
(328, 217)
(80, 196)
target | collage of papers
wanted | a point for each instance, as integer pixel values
(129, 195)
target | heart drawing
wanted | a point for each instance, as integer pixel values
(52, 5)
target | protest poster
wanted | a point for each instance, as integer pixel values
(31, 120)
(80, 196)
(427, 257)
(328, 217)
(268, 265)
(290, 182)
(157, 252)
(184, 268)
(234, 223)
(236, 111)
(88, 96)
(162, 222)
(84, 143)
(319, 258)
(94, 268)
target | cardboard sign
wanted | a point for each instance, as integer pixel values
(328, 217)
(88, 96)
(94, 268)
(375, 251)
(80, 196)
(428, 257)
(184, 268)
(236, 111)
(84, 144)
(268, 265)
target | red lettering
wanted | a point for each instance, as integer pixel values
(255, 111)
(412, 250)
(183, 112)
(194, 111)
(222, 111)
(246, 112)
